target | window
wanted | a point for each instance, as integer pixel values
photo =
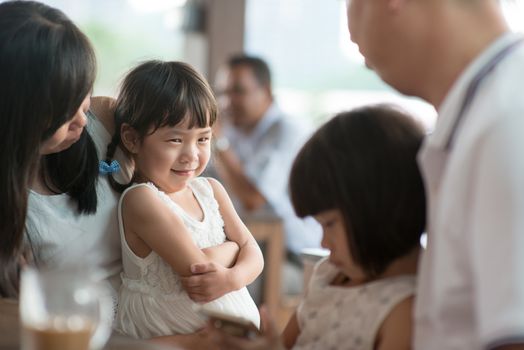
(126, 32)
(317, 70)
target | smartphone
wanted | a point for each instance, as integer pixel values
(233, 325)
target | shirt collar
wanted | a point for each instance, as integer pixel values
(448, 111)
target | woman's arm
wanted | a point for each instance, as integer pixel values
(103, 108)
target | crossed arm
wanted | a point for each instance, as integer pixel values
(204, 285)
(149, 221)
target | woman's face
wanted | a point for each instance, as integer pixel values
(69, 132)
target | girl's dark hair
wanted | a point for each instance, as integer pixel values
(363, 163)
(156, 94)
(47, 68)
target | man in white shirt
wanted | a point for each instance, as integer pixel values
(255, 148)
(460, 56)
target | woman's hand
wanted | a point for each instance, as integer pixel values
(268, 339)
(208, 282)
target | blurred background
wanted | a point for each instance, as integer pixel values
(317, 70)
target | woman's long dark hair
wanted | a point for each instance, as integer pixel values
(47, 68)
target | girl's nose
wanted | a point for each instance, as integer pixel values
(190, 153)
(324, 242)
(80, 120)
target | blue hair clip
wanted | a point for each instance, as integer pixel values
(105, 168)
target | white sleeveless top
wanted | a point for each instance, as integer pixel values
(336, 317)
(60, 236)
(152, 301)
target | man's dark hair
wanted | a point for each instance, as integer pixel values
(259, 67)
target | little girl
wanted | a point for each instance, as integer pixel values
(169, 216)
(359, 178)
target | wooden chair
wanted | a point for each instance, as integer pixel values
(269, 231)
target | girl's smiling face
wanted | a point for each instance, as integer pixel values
(172, 155)
(335, 238)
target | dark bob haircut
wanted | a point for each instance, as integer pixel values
(363, 163)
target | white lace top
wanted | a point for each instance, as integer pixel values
(152, 301)
(337, 317)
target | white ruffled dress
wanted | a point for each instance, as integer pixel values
(152, 301)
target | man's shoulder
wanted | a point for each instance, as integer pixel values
(290, 123)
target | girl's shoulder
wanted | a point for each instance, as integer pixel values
(201, 183)
(207, 187)
(323, 272)
(145, 203)
(139, 188)
(141, 193)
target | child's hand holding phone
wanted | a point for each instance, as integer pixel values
(232, 325)
(268, 338)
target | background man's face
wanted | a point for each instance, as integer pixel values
(246, 100)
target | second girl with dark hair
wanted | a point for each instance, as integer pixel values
(358, 177)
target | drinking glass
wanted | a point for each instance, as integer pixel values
(64, 309)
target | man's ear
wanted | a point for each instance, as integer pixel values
(130, 138)
(268, 90)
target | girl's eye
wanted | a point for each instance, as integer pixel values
(176, 140)
(329, 223)
(203, 140)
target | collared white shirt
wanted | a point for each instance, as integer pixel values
(267, 154)
(471, 277)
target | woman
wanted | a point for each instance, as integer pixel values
(47, 70)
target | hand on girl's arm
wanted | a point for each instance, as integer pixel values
(208, 282)
(104, 109)
(211, 280)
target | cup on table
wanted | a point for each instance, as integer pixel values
(64, 309)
